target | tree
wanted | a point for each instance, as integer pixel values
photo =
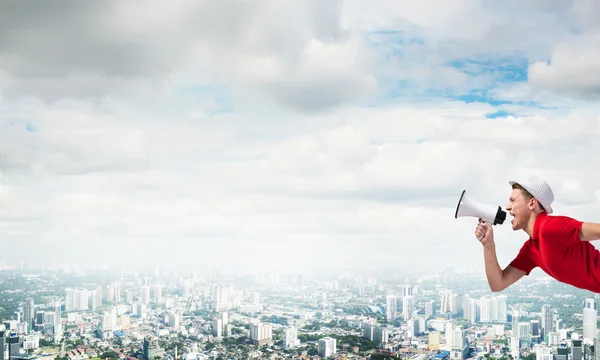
(109, 355)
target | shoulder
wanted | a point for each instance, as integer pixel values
(550, 221)
(559, 225)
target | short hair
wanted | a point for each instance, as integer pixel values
(527, 194)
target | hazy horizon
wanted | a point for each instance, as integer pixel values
(289, 135)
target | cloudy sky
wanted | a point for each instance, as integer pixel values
(289, 134)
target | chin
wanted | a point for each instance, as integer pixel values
(515, 226)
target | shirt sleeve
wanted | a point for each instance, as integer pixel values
(523, 259)
(560, 231)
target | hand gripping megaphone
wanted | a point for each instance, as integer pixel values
(493, 215)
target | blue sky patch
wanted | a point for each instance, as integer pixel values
(396, 37)
(477, 96)
(408, 52)
(497, 114)
(498, 69)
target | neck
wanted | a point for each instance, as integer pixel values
(530, 224)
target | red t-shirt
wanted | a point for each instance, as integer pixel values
(557, 249)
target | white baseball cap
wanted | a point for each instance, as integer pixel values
(539, 189)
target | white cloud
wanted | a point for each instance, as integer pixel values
(573, 70)
(125, 49)
(259, 134)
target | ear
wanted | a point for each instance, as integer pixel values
(532, 203)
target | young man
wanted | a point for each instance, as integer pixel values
(559, 245)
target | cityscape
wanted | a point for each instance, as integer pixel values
(77, 313)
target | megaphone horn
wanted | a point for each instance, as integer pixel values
(471, 207)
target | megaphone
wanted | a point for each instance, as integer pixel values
(469, 207)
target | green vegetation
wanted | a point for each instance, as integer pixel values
(304, 338)
(312, 327)
(383, 357)
(109, 355)
(231, 341)
(45, 343)
(170, 346)
(363, 344)
(274, 319)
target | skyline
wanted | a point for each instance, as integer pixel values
(284, 136)
(202, 314)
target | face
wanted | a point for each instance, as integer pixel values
(521, 209)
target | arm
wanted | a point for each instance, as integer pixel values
(589, 231)
(499, 279)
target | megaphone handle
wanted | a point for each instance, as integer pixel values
(482, 236)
